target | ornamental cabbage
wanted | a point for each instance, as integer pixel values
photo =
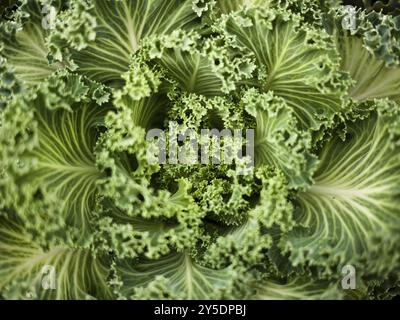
(82, 82)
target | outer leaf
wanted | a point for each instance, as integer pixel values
(355, 198)
(297, 289)
(47, 147)
(24, 40)
(372, 78)
(120, 27)
(185, 279)
(380, 33)
(297, 63)
(78, 274)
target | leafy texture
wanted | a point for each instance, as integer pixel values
(277, 142)
(180, 276)
(49, 139)
(112, 31)
(372, 78)
(23, 262)
(24, 40)
(388, 6)
(199, 149)
(353, 202)
(296, 63)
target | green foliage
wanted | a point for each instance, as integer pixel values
(78, 192)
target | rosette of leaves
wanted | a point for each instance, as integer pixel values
(80, 192)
